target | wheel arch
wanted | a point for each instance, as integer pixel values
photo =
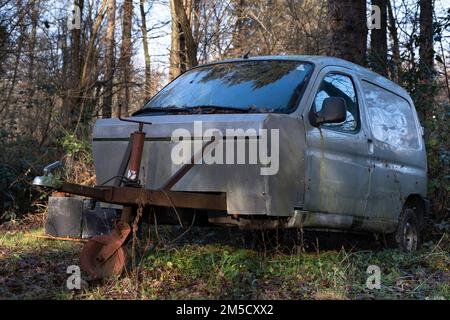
(419, 205)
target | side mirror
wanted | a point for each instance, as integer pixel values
(334, 110)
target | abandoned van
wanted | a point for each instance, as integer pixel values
(266, 142)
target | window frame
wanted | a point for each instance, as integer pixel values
(358, 104)
(411, 107)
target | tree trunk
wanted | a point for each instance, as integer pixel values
(188, 6)
(76, 47)
(191, 46)
(378, 41)
(348, 29)
(175, 48)
(125, 54)
(426, 60)
(74, 90)
(31, 47)
(183, 43)
(426, 51)
(32, 123)
(195, 20)
(18, 52)
(396, 70)
(148, 75)
(86, 73)
(239, 33)
(110, 60)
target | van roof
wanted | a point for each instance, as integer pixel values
(324, 61)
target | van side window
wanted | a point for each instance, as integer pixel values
(338, 85)
(391, 117)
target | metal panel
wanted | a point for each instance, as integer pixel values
(64, 217)
(248, 192)
(398, 164)
(285, 190)
(337, 169)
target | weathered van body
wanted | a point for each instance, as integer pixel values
(359, 174)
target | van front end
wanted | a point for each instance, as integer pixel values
(243, 162)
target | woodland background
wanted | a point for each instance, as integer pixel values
(55, 82)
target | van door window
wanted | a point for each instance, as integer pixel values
(339, 85)
(391, 117)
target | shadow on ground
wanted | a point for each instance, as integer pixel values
(276, 240)
(32, 268)
(225, 263)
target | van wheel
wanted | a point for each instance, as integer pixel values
(407, 237)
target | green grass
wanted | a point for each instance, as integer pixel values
(31, 267)
(36, 268)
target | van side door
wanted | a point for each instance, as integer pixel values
(337, 155)
(398, 162)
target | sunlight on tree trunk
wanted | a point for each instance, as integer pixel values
(125, 55)
(109, 60)
(147, 81)
(184, 48)
(348, 29)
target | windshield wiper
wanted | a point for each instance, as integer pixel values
(193, 110)
(159, 109)
(219, 108)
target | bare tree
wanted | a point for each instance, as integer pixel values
(396, 62)
(109, 60)
(239, 32)
(85, 75)
(20, 11)
(426, 59)
(378, 41)
(31, 47)
(426, 51)
(76, 65)
(175, 45)
(348, 29)
(183, 47)
(148, 71)
(126, 54)
(265, 27)
(184, 17)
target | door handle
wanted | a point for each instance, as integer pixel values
(370, 146)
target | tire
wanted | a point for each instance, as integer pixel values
(407, 237)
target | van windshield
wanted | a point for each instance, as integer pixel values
(248, 86)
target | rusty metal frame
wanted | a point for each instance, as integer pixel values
(136, 196)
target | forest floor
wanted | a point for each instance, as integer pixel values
(218, 263)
